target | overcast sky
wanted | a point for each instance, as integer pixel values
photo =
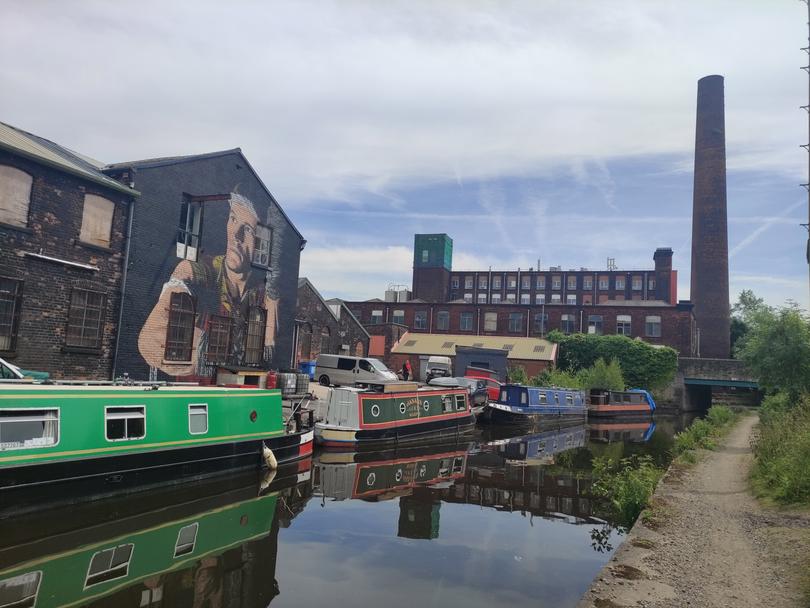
(551, 130)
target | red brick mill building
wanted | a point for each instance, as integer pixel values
(529, 303)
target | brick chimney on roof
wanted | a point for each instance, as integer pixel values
(709, 279)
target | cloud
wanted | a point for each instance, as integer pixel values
(766, 224)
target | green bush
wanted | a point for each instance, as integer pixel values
(556, 377)
(703, 432)
(719, 415)
(626, 484)
(642, 364)
(606, 376)
(782, 453)
(517, 375)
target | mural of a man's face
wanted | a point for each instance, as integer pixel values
(241, 231)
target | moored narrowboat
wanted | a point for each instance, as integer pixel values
(56, 432)
(519, 404)
(611, 403)
(396, 414)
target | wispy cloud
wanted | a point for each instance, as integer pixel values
(766, 224)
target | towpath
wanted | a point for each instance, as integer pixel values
(710, 543)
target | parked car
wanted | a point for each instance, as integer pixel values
(340, 370)
(438, 367)
(493, 386)
(476, 387)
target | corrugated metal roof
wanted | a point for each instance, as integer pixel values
(537, 349)
(58, 157)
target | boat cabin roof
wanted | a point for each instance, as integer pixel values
(32, 386)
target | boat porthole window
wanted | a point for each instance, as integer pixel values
(402, 408)
(426, 405)
(375, 410)
(371, 479)
(398, 475)
(253, 416)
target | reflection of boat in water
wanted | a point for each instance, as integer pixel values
(619, 430)
(199, 546)
(385, 475)
(541, 445)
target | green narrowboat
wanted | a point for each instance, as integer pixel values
(396, 414)
(56, 432)
(181, 553)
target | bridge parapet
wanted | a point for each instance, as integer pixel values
(715, 369)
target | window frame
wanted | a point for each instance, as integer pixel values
(420, 319)
(564, 320)
(598, 322)
(624, 322)
(102, 311)
(493, 317)
(14, 317)
(443, 318)
(57, 409)
(189, 231)
(86, 239)
(215, 355)
(196, 526)
(399, 319)
(106, 419)
(252, 349)
(35, 596)
(515, 324)
(190, 414)
(619, 283)
(171, 349)
(268, 251)
(24, 226)
(648, 324)
(465, 316)
(542, 326)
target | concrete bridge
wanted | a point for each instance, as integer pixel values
(701, 382)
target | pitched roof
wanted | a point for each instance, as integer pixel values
(535, 349)
(303, 281)
(151, 163)
(53, 155)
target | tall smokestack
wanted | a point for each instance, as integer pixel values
(709, 291)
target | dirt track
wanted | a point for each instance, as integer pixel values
(713, 544)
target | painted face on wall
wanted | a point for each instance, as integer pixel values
(241, 232)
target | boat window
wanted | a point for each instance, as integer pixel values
(627, 398)
(461, 404)
(447, 403)
(569, 399)
(543, 398)
(197, 418)
(125, 423)
(458, 465)
(503, 395)
(557, 398)
(20, 590)
(20, 429)
(186, 539)
(524, 397)
(109, 564)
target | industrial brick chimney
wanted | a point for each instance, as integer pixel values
(709, 287)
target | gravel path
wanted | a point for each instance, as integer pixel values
(712, 544)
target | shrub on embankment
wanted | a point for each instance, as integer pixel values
(629, 483)
(781, 468)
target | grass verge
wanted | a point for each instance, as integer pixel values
(703, 434)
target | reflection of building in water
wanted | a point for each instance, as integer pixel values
(419, 515)
(205, 550)
(537, 490)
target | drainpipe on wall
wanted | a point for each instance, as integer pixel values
(430, 321)
(478, 323)
(528, 320)
(580, 321)
(123, 287)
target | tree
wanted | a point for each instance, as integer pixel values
(606, 376)
(777, 349)
(742, 314)
(517, 375)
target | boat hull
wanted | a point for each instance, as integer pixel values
(638, 410)
(182, 463)
(499, 413)
(331, 436)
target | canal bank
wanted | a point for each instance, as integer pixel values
(709, 542)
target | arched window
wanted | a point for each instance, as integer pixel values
(15, 196)
(325, 336)
(305, 343)
(358, 349)
(180, 330)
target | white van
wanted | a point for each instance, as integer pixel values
(348, 371)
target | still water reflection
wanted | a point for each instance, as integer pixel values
(498, 519)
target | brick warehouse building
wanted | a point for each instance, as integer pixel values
(326, 327)
(530, 303)
(63, 226)
(213, 269)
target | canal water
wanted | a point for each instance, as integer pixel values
(498, 519)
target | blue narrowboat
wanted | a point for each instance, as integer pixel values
(518, 404)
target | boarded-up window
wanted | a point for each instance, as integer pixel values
(97, 220)
(180, 332)
(254, 347)
(85, 319)
(15, 196)
(10, 299)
